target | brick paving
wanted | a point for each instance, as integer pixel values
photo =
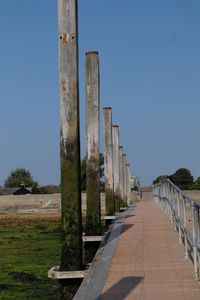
(148, 263)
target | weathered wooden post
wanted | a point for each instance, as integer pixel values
(121, 175)
(115, 138)
(128, 182)
(93, 219)
(125, 179)
(71, 238)
(108, 161)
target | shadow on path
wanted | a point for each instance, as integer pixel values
(129, 216)
(115, 233)
(121, 289)
(126, 227)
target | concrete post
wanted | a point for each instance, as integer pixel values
(125, 179)
(93, 219)
(128, 183)
(116, 186)
(71, 239)
(121, 175)
(108, 161)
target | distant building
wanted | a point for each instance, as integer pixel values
(22, 190)
(135, 183)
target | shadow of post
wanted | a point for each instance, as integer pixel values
(116, 233)
(121, 289)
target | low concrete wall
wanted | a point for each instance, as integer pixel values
(37, 203)
(29, 203)
(45, 203)
(193, 194)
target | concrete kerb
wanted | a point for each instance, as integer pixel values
(94, 281)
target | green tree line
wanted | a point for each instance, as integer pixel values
(182, 178)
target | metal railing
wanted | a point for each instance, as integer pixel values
(185, 214)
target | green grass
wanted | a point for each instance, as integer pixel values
(29, 247)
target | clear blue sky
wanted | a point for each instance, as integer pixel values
(150, 75)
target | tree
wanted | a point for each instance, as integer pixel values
(182, 178)
(196, 184)
(18, 176)
(36, 189)
(101, 172)
(160, 179)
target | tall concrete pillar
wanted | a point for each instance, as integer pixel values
(108, 161)
(93, 219)
(121, 175)
(116, 184)
(128, 183)
(71, 238)
(125, 179)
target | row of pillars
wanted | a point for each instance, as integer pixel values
(117, 171)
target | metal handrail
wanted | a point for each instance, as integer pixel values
(184, 212)
(183, 193)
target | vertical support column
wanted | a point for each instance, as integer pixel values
(108, 161)
(93, 219)
(170, 201)
(71, 235)
(115, 139)
(121, 175)
(125, 179)
(128, 182)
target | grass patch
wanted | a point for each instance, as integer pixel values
(29, 247)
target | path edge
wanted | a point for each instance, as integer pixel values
(93, 283)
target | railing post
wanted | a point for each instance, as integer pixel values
(194, 239)
(93, 219)
(155, 193)
(165, 198)
(185, 228)
(173, 208)
(158, 195)
(157, 199)
(179, 214)
(170, 202)
(161, 197)
(198, 237)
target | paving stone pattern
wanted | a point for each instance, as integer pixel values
(148, 263)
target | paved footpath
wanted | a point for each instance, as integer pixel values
(148, 263)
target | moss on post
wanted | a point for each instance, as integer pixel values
(108, 161)
(93, 218)
(71, 238)
(71, 235)
(116, 179)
